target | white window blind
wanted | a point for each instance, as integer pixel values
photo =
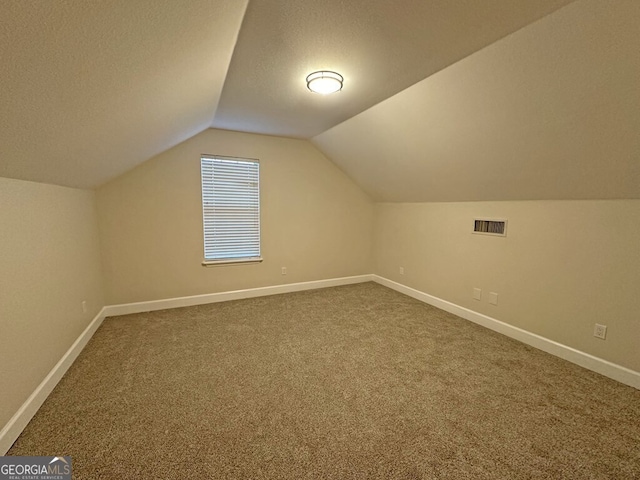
(231, 209)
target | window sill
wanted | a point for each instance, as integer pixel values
(230, 261)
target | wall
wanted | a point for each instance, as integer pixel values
(49, 264)
(563, 266)
(314, 220)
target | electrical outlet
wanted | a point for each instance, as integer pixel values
(600, 331)
(284, 270)
(493, 298)
(401, 270)
(477, 294)
(84, 306)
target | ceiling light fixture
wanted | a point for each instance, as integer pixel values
(324, 82)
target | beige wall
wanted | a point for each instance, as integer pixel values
(563, 266)
(314, 220)
(49, 264)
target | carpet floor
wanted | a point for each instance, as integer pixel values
(351, 382)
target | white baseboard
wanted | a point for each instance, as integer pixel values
(12, 430)
(590, 362)
(139, 307)
(19, 421)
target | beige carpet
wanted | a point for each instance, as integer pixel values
(340, 383)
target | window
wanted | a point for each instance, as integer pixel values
(231, 210)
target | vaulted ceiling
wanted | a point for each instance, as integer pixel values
(550, 112)
(444, 100)
(91, 89)
(380, 47)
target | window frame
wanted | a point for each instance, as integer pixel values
(207, 238)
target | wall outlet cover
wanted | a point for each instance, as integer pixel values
(600, 331)
(493, 298)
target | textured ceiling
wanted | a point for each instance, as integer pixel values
(379, 46)
(432, 108)
(550, 112)
(91, 89)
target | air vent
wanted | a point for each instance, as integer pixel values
(490, 227)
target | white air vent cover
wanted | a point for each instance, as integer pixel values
(487, 226)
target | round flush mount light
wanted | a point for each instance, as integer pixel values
(324, 82)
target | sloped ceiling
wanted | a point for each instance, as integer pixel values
(379, 46)
(549, 112)
(90, 89)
